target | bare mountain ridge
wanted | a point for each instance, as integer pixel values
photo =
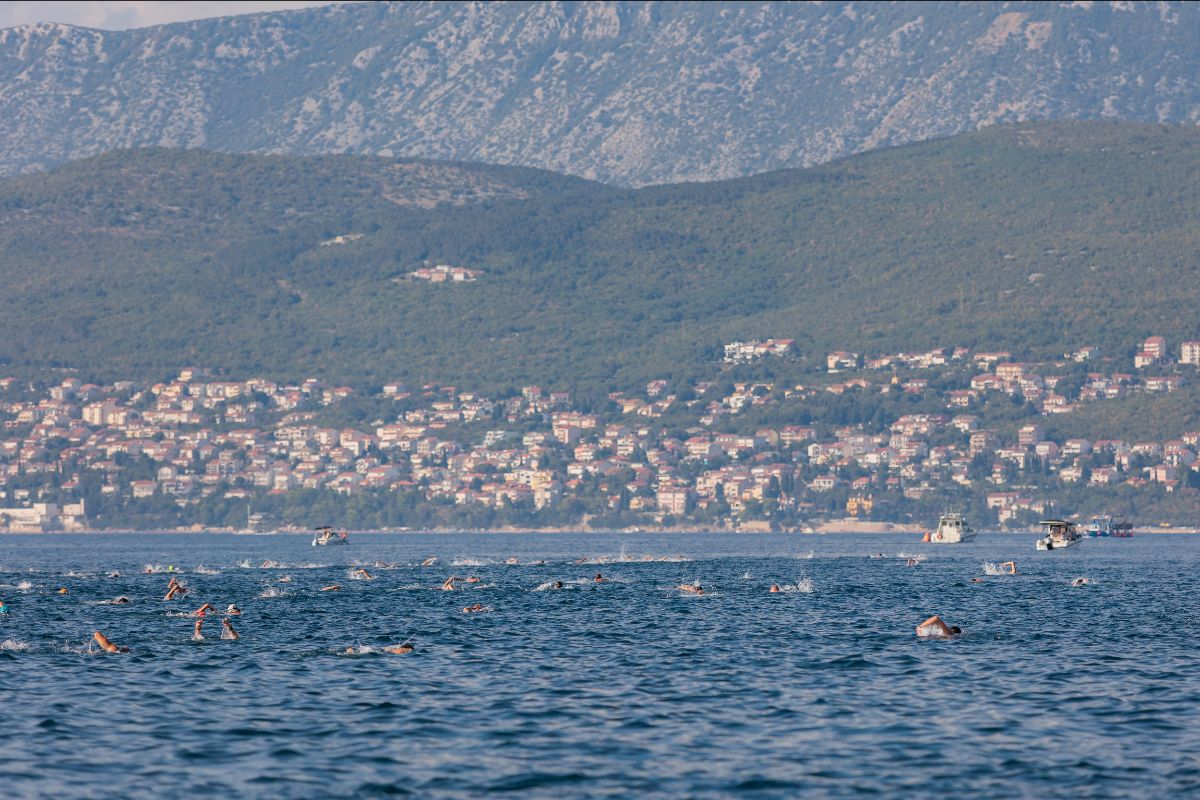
(630, 93)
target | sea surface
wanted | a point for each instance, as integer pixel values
(622, 688)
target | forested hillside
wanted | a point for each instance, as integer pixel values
(1036, 237)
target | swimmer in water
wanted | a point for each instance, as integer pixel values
(119, 601)
(197, 632)
(1011, 566)
(598, 579)
(204, 609)
(558, 584)
(472, 579)
(361, 574)
(912, 562)
(775, 588)
(233, 610)
(448, 584)
(399, 649)
(227, 631)
(114, 574)
(333, 587)
(511, 560)
(691, 588)
(976, 580)
(429, 562)
(174, 589)
(106, 645)
(474, 608)
(1080, 582)
(935, 628)
(63, 590)
(3, 608)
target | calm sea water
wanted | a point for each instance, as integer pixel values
(621, 688)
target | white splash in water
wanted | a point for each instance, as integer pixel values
(14, 646)
(802, 586)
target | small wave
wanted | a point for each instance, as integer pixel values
(75, 573)
(802, 586)
(203, 570)
(627, 558)
(24, 586)
(14, 646)
(918, 557)
(468, 562)
(271, 592)
(809, 556)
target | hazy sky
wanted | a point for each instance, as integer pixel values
(130, 13)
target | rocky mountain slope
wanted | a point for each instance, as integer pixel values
(631, 93)
(1038, 237)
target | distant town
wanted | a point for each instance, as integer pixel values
(948, 427)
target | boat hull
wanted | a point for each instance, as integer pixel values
(1061, 544)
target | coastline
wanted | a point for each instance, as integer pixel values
(837, 527)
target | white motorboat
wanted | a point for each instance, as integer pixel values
(326, 536)
(1059, 535)
(952, 529)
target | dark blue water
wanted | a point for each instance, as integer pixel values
(621, 688)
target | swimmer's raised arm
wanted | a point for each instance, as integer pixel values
(106, 645)
(934, 626)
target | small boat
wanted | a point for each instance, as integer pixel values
(1060, 535)
(326, 536)
(1107, 525)
(952, 529)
